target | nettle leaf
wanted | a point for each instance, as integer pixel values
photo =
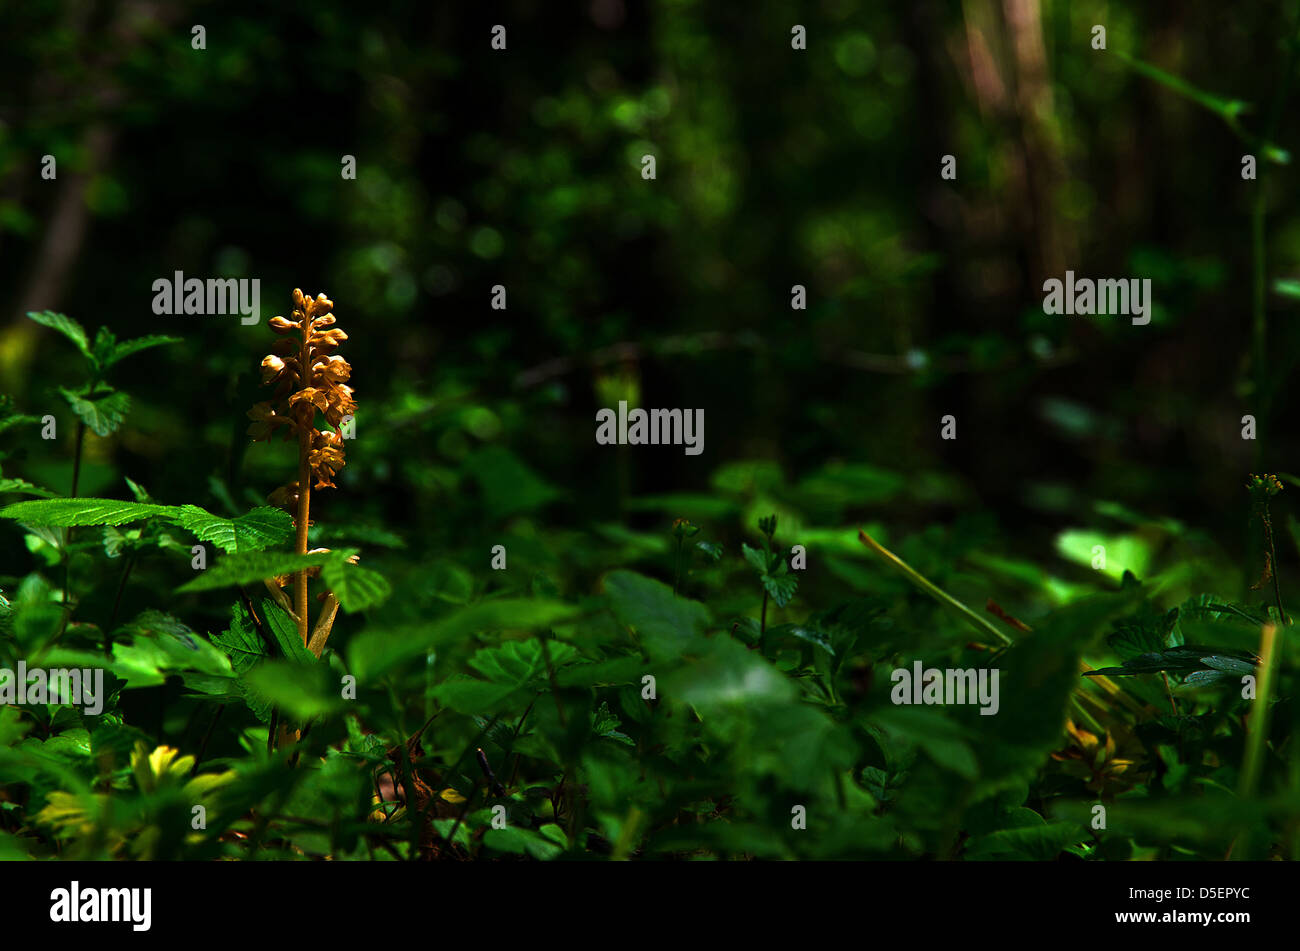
(245, 648)
(472, 697)
(1144, 634)
(126, 348)
(518, 662)
(102, 411)
(241, 642)
(356, 588)
(66, 326)
(285, 631)
(248, 567)
(756, 557)
(667, 624)
(67, 513)
(376, 651)
(24, 488)
(158, 644)
(781, 587)
(262, 528)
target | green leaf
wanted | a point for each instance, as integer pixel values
(25, 488)
(241, 642)
(285, 631)
(248, 567)
(472, 697)
(519, 662)
(1032, 842)
(712, 550)
(781, 587)
(668, 625)
(245, 648)
(756, 557)
(128, 347)
(519, 840)
(65, 513)
(262, 528)
(301, 691)
(66, 326)
(103, 412)
(1287, 287)
(376, 651)
(157, 644)
(356, 588)
(728, 677)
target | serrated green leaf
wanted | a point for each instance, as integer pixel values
(126, 348)
(24, 488)
(285, 631)
(249, 567)
(781, 587)
(64, 325)
(103, 412)
(67, 513)
(356, 588)
(667, 624)
(756, 557)
(262, 528)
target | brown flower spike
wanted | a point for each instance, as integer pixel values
(309, 378)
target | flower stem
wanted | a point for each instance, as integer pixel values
(304, 483)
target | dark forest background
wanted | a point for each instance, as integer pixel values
(775, 167)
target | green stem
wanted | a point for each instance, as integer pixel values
(1258, 730)
(933, 590)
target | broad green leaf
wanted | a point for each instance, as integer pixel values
(521, 841)
(103, 411)
(518, 662)
(1041, 843)
(73, 512)
(356, 588)
(727, 675)
(302, 691)
(756, 557)
(241, 642)
(781, 587)
(262, 528)
(666, 624)
(248, 567)
(617, 670)
(158, 644)
(376, 651)
(473, 697)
